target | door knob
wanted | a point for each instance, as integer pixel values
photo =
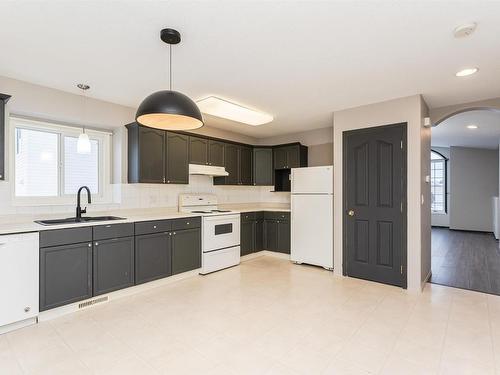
(350, 212)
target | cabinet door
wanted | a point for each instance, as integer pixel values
(153, 257)
(231, 155)
(216, 153)
(65, 274)
(263, 166)
(283, 237)
(113, 264)
(246, 156)
(247, 237)
(198, 150)
(2, 139)
(279, 158)
(177, 158)
(186, 250)
(151, 155)
(271, 235)
(293, 156)
(259, 235)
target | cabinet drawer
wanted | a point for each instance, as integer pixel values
(65, 236)
(277, 215)
(103, 232)
(248, 216)
(157, 226)
(187, 223)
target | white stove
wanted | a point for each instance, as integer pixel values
(220, 231)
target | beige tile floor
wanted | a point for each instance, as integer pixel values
(267, 317)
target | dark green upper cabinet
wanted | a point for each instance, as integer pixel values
(290, 156)
(263, 166)
(215, 153)
(246, 156)
(177, 159)
(198, 150)
(232, 164)
(3, 99)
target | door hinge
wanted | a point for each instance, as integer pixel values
(401, 144)
(401, 270)
(401, 207)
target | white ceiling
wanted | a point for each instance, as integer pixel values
(453, 131)
(296, 60)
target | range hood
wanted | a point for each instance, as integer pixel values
(207, 170)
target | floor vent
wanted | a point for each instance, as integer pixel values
(92, 302)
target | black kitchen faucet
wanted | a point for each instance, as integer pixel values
(79, 210)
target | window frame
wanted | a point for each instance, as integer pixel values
(104, 161)
(443, 160)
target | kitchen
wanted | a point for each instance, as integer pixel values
(197, 201)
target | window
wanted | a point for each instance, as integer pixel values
(47, 167)
(438, 183)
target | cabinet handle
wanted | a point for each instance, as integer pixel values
(154, 226)
(90, 245)
(108, 226)
(169, 233)
(27, 309)
(97, 243)
(175, 233)
(187, 223)
(164, 179)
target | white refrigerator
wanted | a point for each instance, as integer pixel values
(312, 216)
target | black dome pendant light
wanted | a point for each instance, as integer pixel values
(168, 109)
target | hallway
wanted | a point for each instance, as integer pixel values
(467, 260)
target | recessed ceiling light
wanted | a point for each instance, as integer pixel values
(466, 72)
(464, 30)
(225, 109)
(471, 126)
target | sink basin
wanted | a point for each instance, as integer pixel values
(72, 220)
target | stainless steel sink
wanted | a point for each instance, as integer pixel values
(73, 220)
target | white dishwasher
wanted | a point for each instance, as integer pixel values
(18, 278)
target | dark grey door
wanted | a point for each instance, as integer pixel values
(263, 166)
(151, 155)
(247, 237)
(216, 153)
(231, 156)
(245, 158)
(271, 235)
(186, 250)
(283, 245)
(153, 257)
(375, 191)
(113, 264)
(198, 150)
(177, 159)
(279, 158)
(65, 274)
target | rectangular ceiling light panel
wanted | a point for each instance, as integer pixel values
(222, 108)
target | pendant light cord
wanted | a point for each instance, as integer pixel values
(170, 53)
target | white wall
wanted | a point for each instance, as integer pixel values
(474, 181)
(443, 220)
(410, 110)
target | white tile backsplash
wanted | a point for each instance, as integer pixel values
(127, 196)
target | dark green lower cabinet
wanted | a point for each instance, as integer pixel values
(186, 250)
(153, 257)
(113, 264)
(259, 235)
(271, 234)
(247, 237)
(283, 237)
(65, 274)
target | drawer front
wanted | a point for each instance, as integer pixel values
(187, 223)
(59, 237)
(277, 215)
(248, 216)
(157, 226)
(103, 232)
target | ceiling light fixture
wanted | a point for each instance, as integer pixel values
(218, 107)
(83, 144)
(464, 30)
(168, 109)
(466, 72)
(472, 126)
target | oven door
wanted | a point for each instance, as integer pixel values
(220, 232)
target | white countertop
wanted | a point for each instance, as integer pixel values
(25, 223)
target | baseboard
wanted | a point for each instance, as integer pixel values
(17, 325)
(426, 280)
(105, 298)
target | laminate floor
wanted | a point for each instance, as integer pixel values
(467, 260)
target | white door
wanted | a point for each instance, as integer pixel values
(312, 180)
(18, 277)
(312, 230)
